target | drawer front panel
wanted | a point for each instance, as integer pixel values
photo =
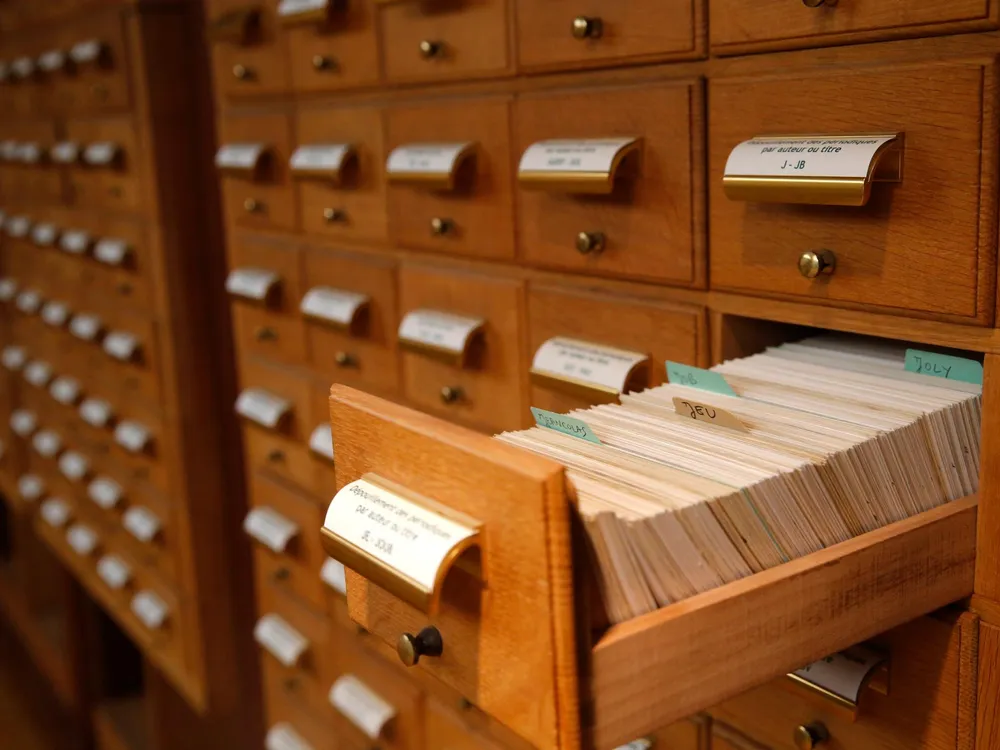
(336, 54)
(115, 184)
(101, 83)
(651, 222)
(250, 64)
(480, 208)
(916, 245)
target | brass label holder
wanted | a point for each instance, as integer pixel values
(235, 26)
(244, 160)
(402, 542)
(301, 12)
(336, 308)
(440, 335)
(433, 166)
(327, 161)
(594, 372)
(843, 677)
(587, 166)
(822, 170)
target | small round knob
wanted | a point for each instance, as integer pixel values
(252, 205)
(322, 62)
(812, 264)
(427, 642)
(810, 736)
(281, 574)
(343, 359)
(242, 72)
(264, 333)
(587, 28)
(333, 215)
(441, 226)
(276, 456)
(430, 49)
(590, 242)
(819, 3)
(451, 394)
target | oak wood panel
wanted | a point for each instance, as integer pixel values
(919, 246)
(653, 222)
(988, 532)
(988, 713)
(103, 85)
(117, 186)
(446, 730)
(338, 53)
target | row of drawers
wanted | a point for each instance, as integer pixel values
(488, 387)
(73, 68)
(272, 46)
(893, 253)
(91, 163)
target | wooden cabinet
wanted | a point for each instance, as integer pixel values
(338, 50)
(249, 52)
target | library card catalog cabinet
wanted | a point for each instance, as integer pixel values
(472, 217)
(113, 460)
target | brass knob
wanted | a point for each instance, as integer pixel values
(818, 3)
(276, 456)
(252, 205)
(242, 72)
(264, 333)
(427, 642)
(451, 394)
(440, 226)
(590, 242)
(587, 28)
(322, 62)
(332, 215)
(430, 49)
(343, 359)
(810, 736)
(812, 264)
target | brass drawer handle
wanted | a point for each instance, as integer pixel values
(814, 264)
(334, 215)
(590, 242)
(253, 206)
(323, 62)
(343, 359)
(819, 3)
(589, 28)
(242, 72)
(430, 49)
(427, 642)
(811, 736)
(441, 226)
(451, 394)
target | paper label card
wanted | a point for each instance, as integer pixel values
(426, 159)
(845, 157)
(321, 157)
(74, 466)
(23, 67)
(38, 373)
(334, 575)
(574, 155)
(702, 412)
(44, 235)
(603, 366)
(114, 572)
(133, 436)
(406, 537)
(845, 673)
(8, 288)
(696, 377)
(251, 283)
(262, 407)
(642, 744)
(55, 314)
(75, 241)
(321, 441)
(29, 153)
(239, 156)
(30, 487)
(54, 512)
(111, 251)
(81, 539)
(565, 424)
(96, 412)
(47, 443)
(295, 7)
(85, 326)
(65, 152)
(101, 154)
(9, 149)
(439, 330)
(17, 226)
(141, 523)
(52, 60)
(270, 528)
(13, 357)
(65, 390)
(23, 422)
(944, 366)
(107, 493)
(365, 708)
(283, 736)
(334, 306)
(151, 610)
(280, 639)
(29, 301)
(87, 51)
(121, 345)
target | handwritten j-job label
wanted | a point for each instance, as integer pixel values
(944, 366)
(573, 155)
(702, 412)
(425, 159)
(805, 157)
(438, 329)
(592, 363)
(398, 532)
(565, 425)
(696, 377)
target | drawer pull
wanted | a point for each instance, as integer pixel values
(74, 466)
(102, 154)
(328, 161)
(334, 215)
(282, 736)
(29, 301)
(114, 572)
(281, 640)
(55, 512)
(75, 242)
(434, 166)
(112, 251)
(65, 152)
(842, 677)
(151, 610)
(294, 12)
(451, 394)
(254, 284)
(65, 390)
(242, 72)
(591, 371)
(88, 51)
(241, 159)
(18, 226)
(263, 408)
(338, 308)
(815, 170)
(403, 559)
(14, 357)
(430, 49)
(8, 289)
(441, 226)
(105, 492)
(253, 206)
(344, 359)
(365, 708)
(587, 28)
(427, 642)
(586, 166)
(590, 242)
(323, 62)
(815, 264)
(270, 528)
(264, 333)
(141, 523)
(810, 736)
(30, 487)
(82, 540)
(439, 334)
(820, 3)
(321, 441)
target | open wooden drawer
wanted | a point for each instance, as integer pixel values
(521, 629)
